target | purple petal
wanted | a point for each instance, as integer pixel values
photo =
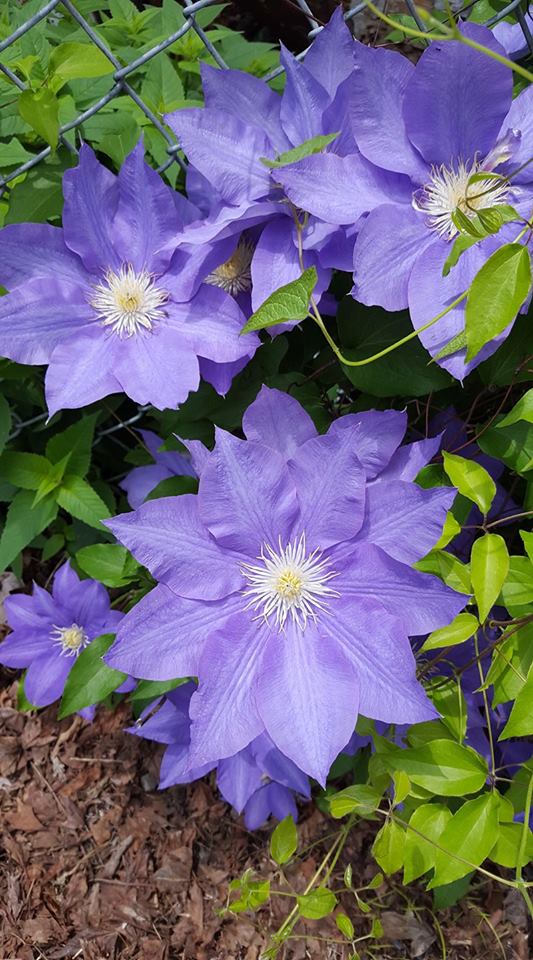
(221, 375)
(24, 612)
(276, 262)
(246, 495)
(330, 58)
(46, 677)
(247, 98)
(66, 583)
(146, 223)
(277, 420)
(378, 435)
(307, 695)
(390, 241)
(303, 102)
(91, 199)
(323, 185)
(223, 710)
(161, 638)
(198, 452)
(225, 150)
(520, 118)
(457, 99)
(38, 316)
(278, 767)
(211, 325)
(167, 536)
(330, 484)
(158, 367)
(379, 82)
(238, 778)
(176, 767)
(384, 668)
(511, 36)
(421, 602)
(408, 460)
(167, 724)
(141, 481)
(82, 370)
(30, 250)
(257, 809)
(403, 519)
(24, 645)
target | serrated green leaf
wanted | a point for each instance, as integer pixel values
(317, 904)
(290, 302)
(305, 149)
(79, 499)
(471, 834)
(496, 294)
(26, 470)
(462, 628)
(90, 680)
(284, 841)
(471, 479)
(75, 443)
(489, 565)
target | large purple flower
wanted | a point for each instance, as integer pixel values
(114, 300)
(430, 127)
(49, 631)
(245, 121)
(140, 481)
(286, 585)
(258, 780)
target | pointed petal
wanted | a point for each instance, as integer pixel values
(378, 434)
(247, 98)
(277, 420)
(82, 370)
(91, 198)
(211, 325)
(403, 519)
(167, 536)
(238, 778)
(303, 102)
(330, 58)
(409, 459)
(276, 262)
(46, 677)
(24, 645)
(140, 481)
(307, 696)
(158, 367)
(38, 316)
(31, 250)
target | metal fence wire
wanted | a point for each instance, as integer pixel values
(121, 86)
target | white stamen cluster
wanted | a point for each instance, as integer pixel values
(449, 190)
(288, 582)
(71, 639)
(235, 275)
(128, 302)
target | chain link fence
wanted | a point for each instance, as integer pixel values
(121, 86)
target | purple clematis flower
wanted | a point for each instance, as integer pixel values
(258, 780)
(243, 122)
(286, 585)
(429, 127)
(140, 481)
(49, 631)
(115, 300)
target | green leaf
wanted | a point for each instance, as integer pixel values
(388, 847)
(471, 834)
(444, 565)
(471, 479)
(90, 680)
(506, 851)
(12, 153)
(489, 565)
(23, 704)
(317, 904)
(512, 444)
(284, 841)
(450, 530)
(81, 501)
(173, 487)
(305, 149)
(527, 539)
(5, 422)
(52, 546)
(162, 87)
(345, 925)
(465, 224)
(492, 219)
(523, 410)
(496, 294)
(419, 855)
(456, 343)
(518, 587)
(52, 480)
(290, 302)
(442, 767)
(70, 61)
(23, 523)
(151, 689)
(41, 111)
(447, 696)
(360, 798)
(520, 722)
(39, 197)
(462, 628)
(460, 244)
(402, 786)
(109, 563)
(74, 442)
(26, 470)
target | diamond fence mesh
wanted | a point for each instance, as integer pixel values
(120, 78)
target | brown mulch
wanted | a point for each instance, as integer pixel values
(95, 863)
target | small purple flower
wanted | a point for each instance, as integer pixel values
(245, 121)
(114, 300)
(140, 481)
(286, 584)
(50, 630)
(423, 131)
(258, 780)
